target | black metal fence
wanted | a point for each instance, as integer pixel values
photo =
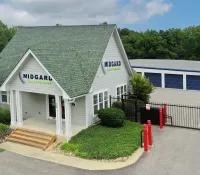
(178, 115)
(184, 116)
(129, 104)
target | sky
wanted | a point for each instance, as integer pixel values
(138, 15)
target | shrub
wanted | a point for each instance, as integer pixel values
(129, 107)
(117, 104)
(2, 150)
(4, 129)
(141, 87)
(111, 117)
(5, 116)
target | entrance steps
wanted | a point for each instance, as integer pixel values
(31, 138)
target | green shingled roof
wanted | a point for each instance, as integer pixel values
(72, 54)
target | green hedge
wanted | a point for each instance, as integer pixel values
(129, 107)
(4, 129)
(111, 117)
(5, 116)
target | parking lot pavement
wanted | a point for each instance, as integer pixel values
(176, 151)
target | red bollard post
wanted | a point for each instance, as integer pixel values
(161, 118)
(150, 133)
(145, 138)
(165, 113)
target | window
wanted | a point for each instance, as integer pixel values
(121, 90)
(4, 97)
(100, 101)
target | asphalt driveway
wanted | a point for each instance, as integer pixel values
(176, 151)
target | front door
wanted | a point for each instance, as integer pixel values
(52, 106)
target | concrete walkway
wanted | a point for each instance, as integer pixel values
(176, 152)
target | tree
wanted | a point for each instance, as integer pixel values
(104, 23)
(6, 34)
(141, 87)
(169, 44)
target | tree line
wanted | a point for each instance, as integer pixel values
(6, 34)
(151, 44)
(169, 44)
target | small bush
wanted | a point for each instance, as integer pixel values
(129, 107)
(117, 104)
(4, 129)
(5, 116)
(141, 87)
(111, 117)
(2, 150)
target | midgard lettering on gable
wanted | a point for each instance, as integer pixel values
(110, 66)
(35, 78)
(112, 63)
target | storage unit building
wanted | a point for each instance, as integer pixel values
(155, 78)
(175, 74)
(172, 75)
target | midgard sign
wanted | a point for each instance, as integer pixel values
(110, 65)
(35, 78)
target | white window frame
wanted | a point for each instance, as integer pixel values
(98, 103)
(7, 96)
(124, 93)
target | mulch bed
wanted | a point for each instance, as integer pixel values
(3, 137)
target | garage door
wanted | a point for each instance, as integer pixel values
(193, 82)
(174, 81)
(155, 78)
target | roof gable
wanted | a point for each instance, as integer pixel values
(71, 54)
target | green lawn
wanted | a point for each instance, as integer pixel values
(2, 150)
(99, 142)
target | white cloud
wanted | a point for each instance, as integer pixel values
(69, 12)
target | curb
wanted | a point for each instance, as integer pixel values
(68, 160)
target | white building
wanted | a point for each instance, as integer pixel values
(60, 76)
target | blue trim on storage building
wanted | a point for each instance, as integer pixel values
(193, 82)
(155, 78)
(158, 68)
(174, 81)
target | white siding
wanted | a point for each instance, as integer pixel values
(111, 79)
(32, 66)
(33, 105)
(79, 112)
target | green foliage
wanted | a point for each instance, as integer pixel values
(100, 142)
(70, 147)
(141, 87)
(4, 129)
(117, 104)
(170, 44)
(111, 117)
(6, 34)
(2, 150)
(5, 116)
(129, 108)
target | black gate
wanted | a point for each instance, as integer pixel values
(184, 116)
(178, 115)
